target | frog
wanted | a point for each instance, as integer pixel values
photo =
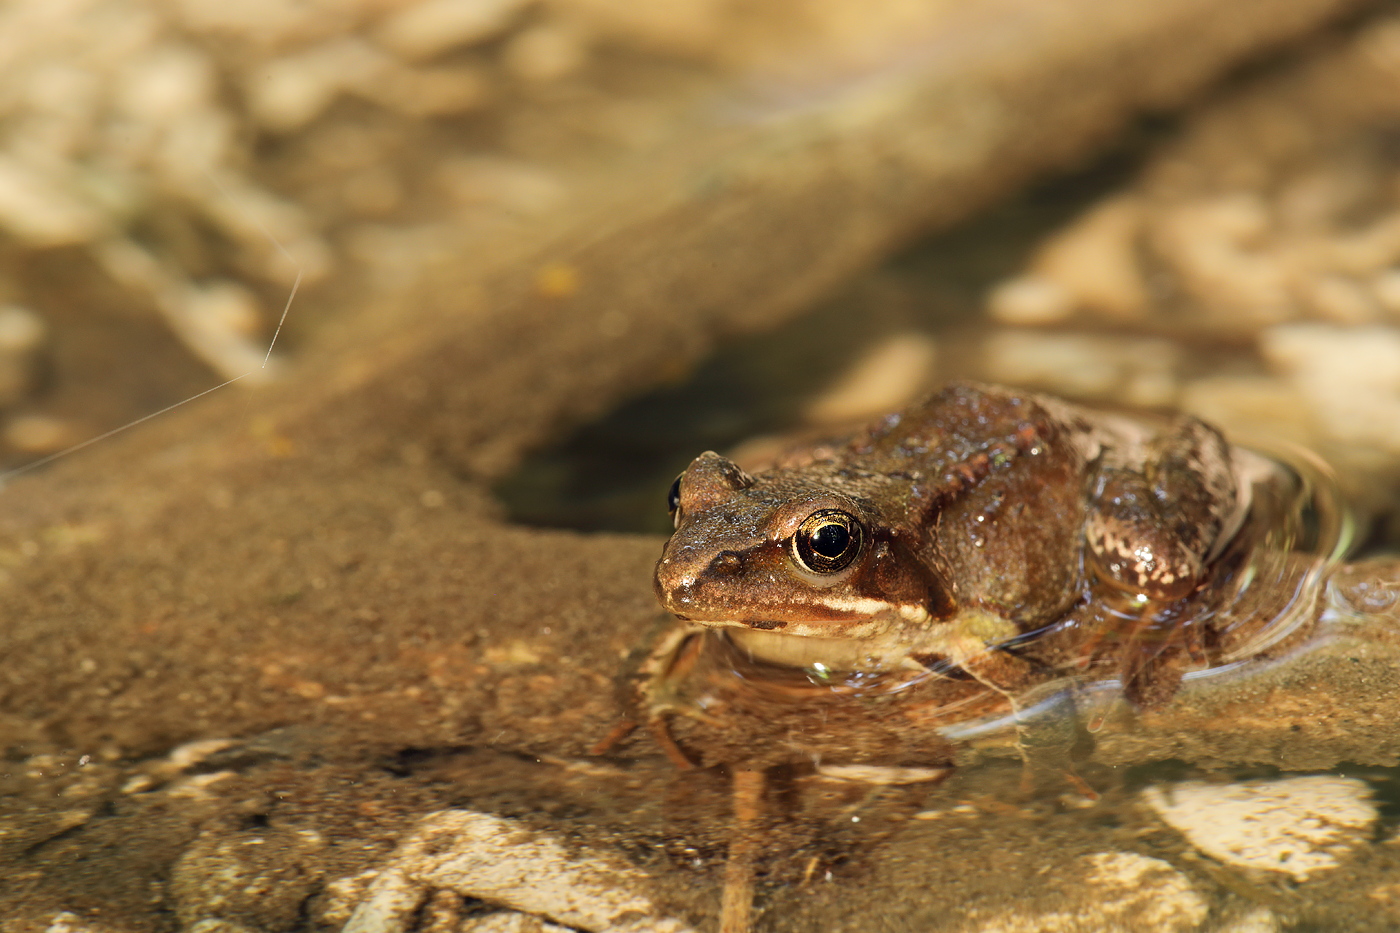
(976, 535)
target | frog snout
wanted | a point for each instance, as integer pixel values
(681, 583)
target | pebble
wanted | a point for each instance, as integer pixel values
(220, 323)
(1295, 826)
(286, 93)
(514, 185)
(1249, 407)
(1386, 289)
(1216, 247)
(1341, 299)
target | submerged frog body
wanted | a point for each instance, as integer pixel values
(956, 536)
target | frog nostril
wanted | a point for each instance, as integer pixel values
(726, 563)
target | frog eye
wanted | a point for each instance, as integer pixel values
(827, 541)
(673, 502)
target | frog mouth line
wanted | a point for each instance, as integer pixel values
(766, 625)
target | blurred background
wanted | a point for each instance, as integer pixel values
(1225, 239)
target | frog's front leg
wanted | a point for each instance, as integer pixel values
(1049, 734)
(1156, 518)
(650, 684)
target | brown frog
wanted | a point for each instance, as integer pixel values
(965, 535)
(855, 606)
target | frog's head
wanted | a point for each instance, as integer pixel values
(783, 552)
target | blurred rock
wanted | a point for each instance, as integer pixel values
(1030, 299)
(1350, 378)
(40, 434)
(22, 338)
(1133, 370)
(1096, 259)
(886, 377)
(1250, 409)
(430, 27)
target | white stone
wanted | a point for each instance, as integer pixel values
(1218, 248)
(495, 860)
(1295, 826)
(39, 434)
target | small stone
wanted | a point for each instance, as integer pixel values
(1217, 248)
(880, 775)
(516, 186)
(1386, 289)
(1246, 407)
(426, 92)
(166, 84)
(220, 323)
(186, 756)
(1295, 826)
(43, 211)
(289, 92)
(495, 860)
(509, 921)
(1258, 920)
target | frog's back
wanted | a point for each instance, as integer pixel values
(995, 486)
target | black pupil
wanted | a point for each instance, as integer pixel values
(673, 498)
(831, 540)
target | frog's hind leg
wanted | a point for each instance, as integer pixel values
(1157, 518)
